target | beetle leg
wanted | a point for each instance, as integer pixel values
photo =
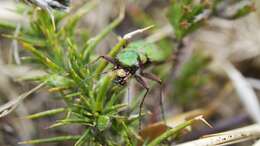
(108, 59)
(141, 81)
(148, 75)
(158, 80)
(151, 77)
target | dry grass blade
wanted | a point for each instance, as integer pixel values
(130, 35)
(244, 90)
(11, 105)
(15, 42)
(227, 138)
(257, 143)
(254, 83)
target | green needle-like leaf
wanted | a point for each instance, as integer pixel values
(46, 113)
(51, 140)
(82, 140)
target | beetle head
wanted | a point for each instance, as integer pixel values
(122, 76)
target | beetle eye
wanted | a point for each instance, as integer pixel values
(116, 67)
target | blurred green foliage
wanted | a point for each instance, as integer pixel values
(190, 79)
(95, 106)
(182, 15)
(93, 101)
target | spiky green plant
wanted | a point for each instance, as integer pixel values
(92, 101)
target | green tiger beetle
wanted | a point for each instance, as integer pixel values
(132, 61)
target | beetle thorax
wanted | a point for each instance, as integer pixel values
(123, 74)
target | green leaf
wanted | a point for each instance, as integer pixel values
(42, 57)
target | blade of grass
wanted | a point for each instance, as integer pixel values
(175, 130)
(51, 140)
